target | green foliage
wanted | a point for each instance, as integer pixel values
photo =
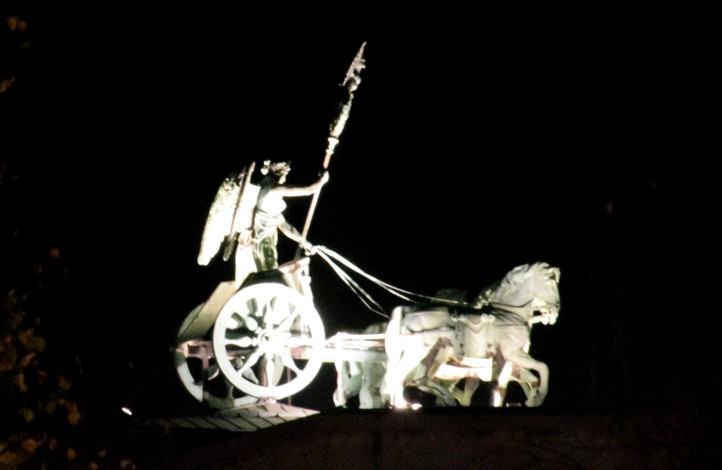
(40, 415)
(38, 406)
(42, 423)
(15, 44)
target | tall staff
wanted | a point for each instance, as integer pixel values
(351, 83)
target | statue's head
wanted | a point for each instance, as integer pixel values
(277, 170)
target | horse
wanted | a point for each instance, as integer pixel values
(362, 378)
(433, 348)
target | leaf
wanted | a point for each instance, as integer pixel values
(51, 406)
(11, 300)
(30, 445)
(19, 380)
(6, 84)
(25, 335)
(28, 414)
(71, 454)
(9, 358)
(27, 360)
(15, 318)
(7, 362)
(52, 443)
(64, 383)
(73, 413)
(10, 459)
(12, 22)
(37, 343)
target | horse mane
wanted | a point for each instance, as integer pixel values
(514, 279)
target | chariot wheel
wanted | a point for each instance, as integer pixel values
(268, 340)
(199, 373)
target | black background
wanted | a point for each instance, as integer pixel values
(472, 147)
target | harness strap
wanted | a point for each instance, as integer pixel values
(397, 291)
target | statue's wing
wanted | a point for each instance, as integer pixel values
(242, 233)
(218, 223)
(220, 217)
(228, 209)
(246, 207)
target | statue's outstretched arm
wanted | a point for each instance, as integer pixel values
(291, 232)
(302, 191)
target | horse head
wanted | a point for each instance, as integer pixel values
(527, 289)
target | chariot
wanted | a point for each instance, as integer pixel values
(260, 336)
(267, 341)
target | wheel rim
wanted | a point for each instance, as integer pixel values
(197, 380)
(263, 331)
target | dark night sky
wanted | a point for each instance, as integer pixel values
(469, 150)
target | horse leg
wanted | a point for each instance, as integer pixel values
(342, 377)
(392, 385)
(470, 386)
(396, 376)
(524, 360)
(425, 380)
(370, 395)
(348, 382)
(502, 383)
(529, 383)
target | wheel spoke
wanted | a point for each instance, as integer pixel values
(252, 307)
(248, 374)
(251, 361)
(279, 370)
(269, 366)
(281, 310)
(285, 325)
(243, 320)
(299, 341)
(235, 321)
(242, 342)
(288, 362)
(266, 310)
